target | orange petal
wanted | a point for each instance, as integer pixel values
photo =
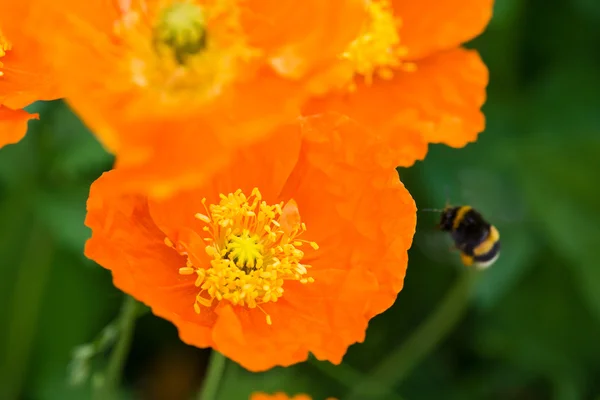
(452, 91)
(367, 211)
(244, 336)
(343, 194)
(265, 165)
(438, 103)
(13, 124)
(164, 141)
(26, 75)
(315, 32)
(278, 396)
(126, 241)
(429, 26)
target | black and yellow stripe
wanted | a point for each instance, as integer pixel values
(477, 240)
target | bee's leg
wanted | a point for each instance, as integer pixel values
(466, 259)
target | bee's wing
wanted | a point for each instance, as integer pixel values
(495, 197)
(493, 193)
(435, 244)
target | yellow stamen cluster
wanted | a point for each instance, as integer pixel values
(254, 249)
(186, 50)
(377, 50)
(5, 46)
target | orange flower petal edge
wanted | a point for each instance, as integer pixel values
(291, 248)
(281, 396)
(13, 125)
(412, 84)
(24, 77)
(137, 71)
(430, 26)
(438, 103)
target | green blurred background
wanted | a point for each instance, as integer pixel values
(528, 328)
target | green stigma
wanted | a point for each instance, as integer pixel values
(182, 28)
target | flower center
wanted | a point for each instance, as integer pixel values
(5, 46)
(245, 250)
(254, 248)
(185, 51)
(181, 28)
(377, 51)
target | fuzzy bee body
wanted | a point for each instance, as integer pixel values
(476, 239)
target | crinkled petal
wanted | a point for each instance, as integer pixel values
(366, 211)
(438, 103)
(429, 26)
(452, 92)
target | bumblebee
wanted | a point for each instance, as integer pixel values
(476, 239)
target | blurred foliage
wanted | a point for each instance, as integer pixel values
(526, 329)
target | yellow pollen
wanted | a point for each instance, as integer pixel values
(5, 46)
(182, 28)
(377, 51)
(254, 248)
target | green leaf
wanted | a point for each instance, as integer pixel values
(543, 329)
(505, 13)
(79, 301)
(564, 103)
(559, 185)
(588, 9)
(19, 162)
(63, 211)
(75, 152)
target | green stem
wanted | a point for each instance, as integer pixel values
(116, 363)
(402, 360)
(32, 276)
(216, 366)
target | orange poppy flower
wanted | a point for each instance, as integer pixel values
(24, 76)
(172, 87)
(412, 82)
(291, 248)
(281, 396)
(278, 396)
